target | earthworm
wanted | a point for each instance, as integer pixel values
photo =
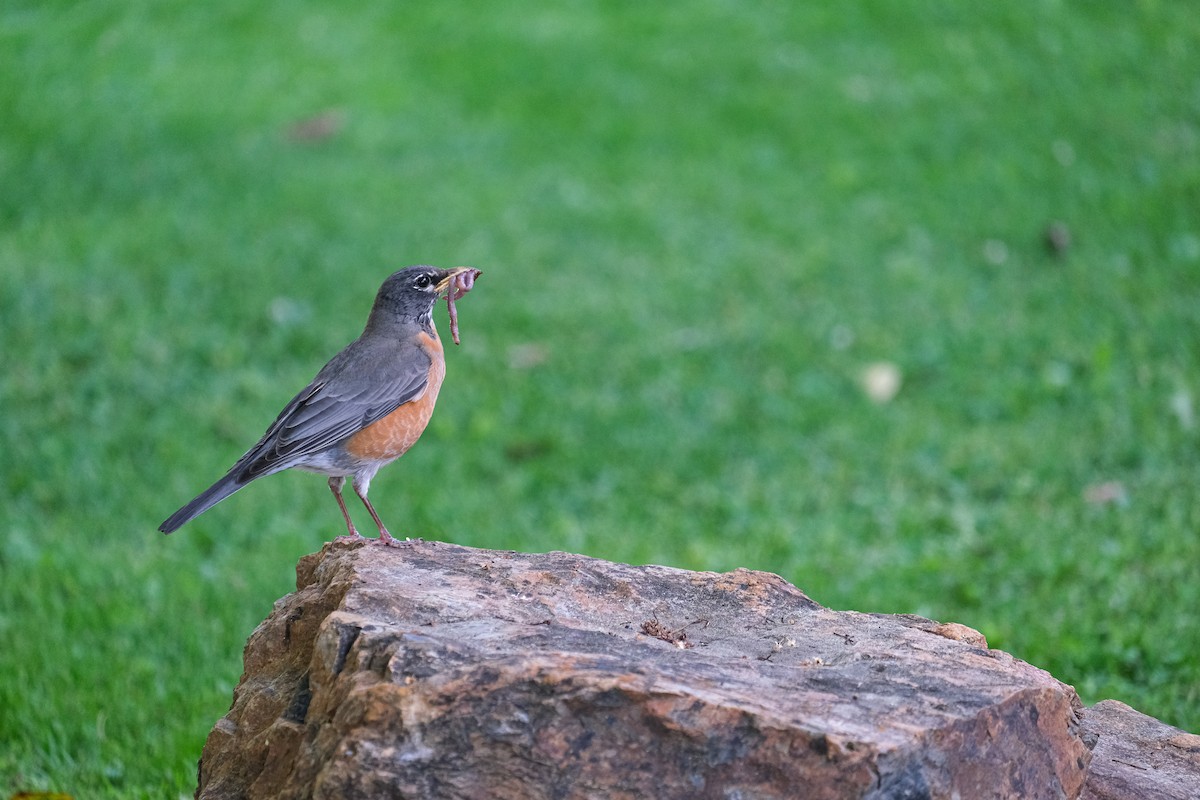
(460, 284)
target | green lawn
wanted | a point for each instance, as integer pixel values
(699, 223)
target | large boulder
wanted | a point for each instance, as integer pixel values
(428, 670)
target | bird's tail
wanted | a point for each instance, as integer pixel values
(203, 502)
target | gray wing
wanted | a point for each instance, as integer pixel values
(349, 393)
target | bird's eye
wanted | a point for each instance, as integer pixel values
(423, 281)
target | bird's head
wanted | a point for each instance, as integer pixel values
(409, 294)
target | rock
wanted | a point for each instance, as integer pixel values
(430, 670)
(1137, 757)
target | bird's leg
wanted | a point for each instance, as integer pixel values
(384, 536)
(335, 485)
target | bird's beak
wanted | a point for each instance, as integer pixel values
(459, 280)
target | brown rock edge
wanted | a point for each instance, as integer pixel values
(1137, 756)
(430, 670)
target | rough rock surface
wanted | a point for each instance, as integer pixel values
(1136, 757)
(430, 670)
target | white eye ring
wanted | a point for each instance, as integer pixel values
(423, 281)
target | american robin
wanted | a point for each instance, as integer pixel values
(366, 407)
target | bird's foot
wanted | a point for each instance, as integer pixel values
(351, 537)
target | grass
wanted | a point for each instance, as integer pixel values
(698, 225)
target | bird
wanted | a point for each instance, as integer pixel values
(366, 407)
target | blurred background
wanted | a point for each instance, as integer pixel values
(898, 301)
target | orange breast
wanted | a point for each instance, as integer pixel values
(388, 438)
